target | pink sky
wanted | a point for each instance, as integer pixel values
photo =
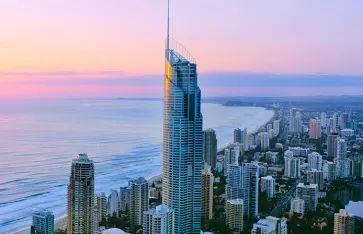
(92, 36)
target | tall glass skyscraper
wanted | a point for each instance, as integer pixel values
(182, 139)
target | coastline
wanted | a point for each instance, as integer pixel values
(60, 222)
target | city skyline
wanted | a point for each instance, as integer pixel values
(92, 51)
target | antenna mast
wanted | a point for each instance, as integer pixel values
(168, 30)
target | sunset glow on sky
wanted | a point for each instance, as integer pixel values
(43, 40)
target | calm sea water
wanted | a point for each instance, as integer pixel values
(39, 139)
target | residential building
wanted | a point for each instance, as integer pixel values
(356, 166)
(292, 166)
(124, 196)
(316, 177)
(159, 220)
(234, 214)
(245, 140)
(331, 144)
(265, 141)
(276, 127)
(270, 225)
(309, 193)
(347, 132)
(81, 196)
(314, 129)
(237, 135)
(43, 222)
(315, 161)
(268, 186)
(344, 222)
(329, 171)
(298, 151)
(341, 160)
(297, 205)
(242, 183)
(112, 203)
(231, 156)
(210, 147)
(139, 200)
(323, 119)
(182, 139)
(207, 193)
(100, 209)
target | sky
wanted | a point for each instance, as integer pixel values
(115, 48)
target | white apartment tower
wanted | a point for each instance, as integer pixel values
(268, 186)
(159, 220)
(315, 161)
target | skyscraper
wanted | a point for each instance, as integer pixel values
(315, 161)
(207, 193)
(316, 177)
(268, 186)
(139, 200)
(237, 135)
(242, 183)
(331, 144)
(81, 196)
(210, 147)
(43, 222)
(124, 197)
(329, 171)
(183, 138)
(245, 140)
(265, 141)
(344, 223)
(292, 166)
(112, 203)
(159, 220)
(314, 129)
(341, 160)
(276, 127)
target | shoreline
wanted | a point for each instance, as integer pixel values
(60, 222)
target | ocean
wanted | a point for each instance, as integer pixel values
(39, 139)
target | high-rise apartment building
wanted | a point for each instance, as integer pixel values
(315, 161)
(265, 141)
(316, 177)
(237, 135)
(100, 209)
(159, 220)
(139, 200)
(245, 140)
(207, 193)
(341, 160)
(242, 183)
(182, 139)
(314, 129)
(210, 147)
(112, 203)
(292, 166)
(231, 156)
(323, 119)
(270, 225)
(234, 214)
(331, 144)
(329, 171)
(309, 193)
(276, 127)
(81, 196)
(344, 223)
(124, 196)
(297, 205)
(268, 186)
(356, 166)
(43, 222)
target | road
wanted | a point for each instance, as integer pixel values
(284, 201)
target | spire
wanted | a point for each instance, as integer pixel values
(168, 30)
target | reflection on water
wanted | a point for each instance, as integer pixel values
(351, 199)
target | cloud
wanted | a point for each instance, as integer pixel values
(211, 79)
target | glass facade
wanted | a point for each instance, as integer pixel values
(182, 140)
